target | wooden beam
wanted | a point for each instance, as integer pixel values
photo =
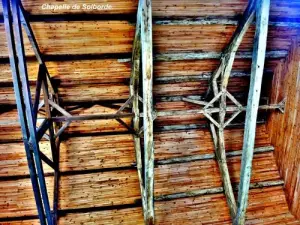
(91, 117)
(193, 158)
(25, 108)
(134, 93)
(204, 20)
(280, 106)
(229, 53)
(215, 190)
(260, 42)
(147, 72)
(196, 126)
(213, 110)
(219, 143)
(224, 70)
(219, 21)
(34, 45)
(275, 54)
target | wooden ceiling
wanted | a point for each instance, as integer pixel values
(87, 57)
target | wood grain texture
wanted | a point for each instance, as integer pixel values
(184, 177)
(68, 73)
(264, 206)
(169, 8)
(147, 90)
(107, 79)
(259, 53)
(99, 37)
(94, 92)
(10, 129)
(212, 209)
(285, 128)
(122, 187)
(224, 71)
(112, 151)
(76, 154)
(76, 191)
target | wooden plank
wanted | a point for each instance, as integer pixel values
(119, 92)
(113, 151)
(72, 72)
(262, 18)
(198, 175)
(266, 206)
(113, 37)
(213, 209)
(76, 191)
(284, 128)
(110, 188)
(176, 8)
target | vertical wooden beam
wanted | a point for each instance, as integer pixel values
(27, 27)
(21, 108)
(53, 145)
(134, 93)
(28, 109)
(147, 72)
(224, 70)
(259, 51)
(229, 53)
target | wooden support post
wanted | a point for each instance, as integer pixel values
(259, 51)
(134, 93)
(228, 55)
(218, 139)
(53, 145)
(25, 109)
(34, 45)
(7, 14)
(224, 70)
(147, 72)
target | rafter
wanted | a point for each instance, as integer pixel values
(224, 71)
(147, 74)
(259, 50)
(229, 53)
(25, 108)
(134, 93)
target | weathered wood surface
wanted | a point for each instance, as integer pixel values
(113, 151)
(147, 90)
(10, 129)
(107, 79)
(224, 71)
(169, 8)
(190, 209)
(266, 206)
(97, 92)
(134, 89)
(185, 177)
(122, 187)
(99, 37)
(68, 73)
(285, 128)
(76, 191)
(259, 52)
